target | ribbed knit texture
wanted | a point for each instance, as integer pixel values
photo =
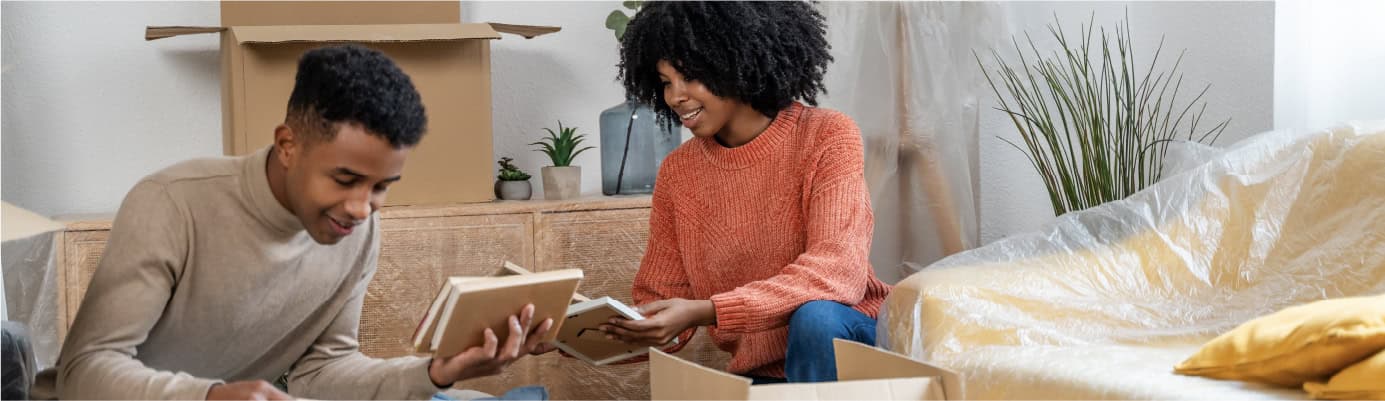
(761, 229)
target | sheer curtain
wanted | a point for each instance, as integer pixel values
(905, 72)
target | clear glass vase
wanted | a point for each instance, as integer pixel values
(633, 145)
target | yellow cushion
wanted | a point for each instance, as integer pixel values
(1363, 381)
(1295, 345)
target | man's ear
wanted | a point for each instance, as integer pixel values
(288, 143)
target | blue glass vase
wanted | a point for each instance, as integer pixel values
(633, 145)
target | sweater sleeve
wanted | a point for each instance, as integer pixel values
(145, 256)
(661, 274)
(835, 265)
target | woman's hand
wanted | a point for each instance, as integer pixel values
(663, 321)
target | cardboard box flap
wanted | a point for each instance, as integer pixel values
(672, 378)
(527, 31)
(914, 388)
(856, 361)
(349, 12)
(160, 32)
(362, 33)
(20, 223)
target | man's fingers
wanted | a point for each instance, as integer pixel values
(472, 356)
(489, 348)
(536, 337)
(267, 391)
(543, 349)
(514, 341)
(278, 395)
(526, 317)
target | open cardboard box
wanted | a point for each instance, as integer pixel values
(863, 372)
(18, 223)
(448, 61)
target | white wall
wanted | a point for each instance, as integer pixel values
(1329, 58)
(89, 107)
(568, 76)
(1229, 44)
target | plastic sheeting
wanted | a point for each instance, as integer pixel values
(904, 72)
(31, 297)
(1128, 288)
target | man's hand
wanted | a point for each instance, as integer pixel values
(543, 349)
(490, 358)
(664, 321)
(246, 390)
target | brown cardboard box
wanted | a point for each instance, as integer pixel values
(20, 223)
(448, 61)
(864, 373)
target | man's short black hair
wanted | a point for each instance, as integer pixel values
(765, 54)
(354, 84)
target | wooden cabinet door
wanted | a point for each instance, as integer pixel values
(81, 254)
(606, 244)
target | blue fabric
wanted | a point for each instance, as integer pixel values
(758, 380)
(810, 357)
(527, 393)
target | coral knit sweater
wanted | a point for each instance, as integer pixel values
(761, 229)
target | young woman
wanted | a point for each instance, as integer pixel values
(761, 224)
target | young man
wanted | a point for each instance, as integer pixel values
(221, 275)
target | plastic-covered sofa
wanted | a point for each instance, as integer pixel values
(1102, 303)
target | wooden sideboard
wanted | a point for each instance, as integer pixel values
(421, 245)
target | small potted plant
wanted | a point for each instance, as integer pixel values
(512, 183)
(562, 180)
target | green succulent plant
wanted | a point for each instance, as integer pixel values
(561, 146)
(510, 172)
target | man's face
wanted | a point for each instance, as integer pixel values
(334, 185)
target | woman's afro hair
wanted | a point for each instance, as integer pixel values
(764, 54)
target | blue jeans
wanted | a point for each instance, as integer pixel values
(528, 393)
(810, 357)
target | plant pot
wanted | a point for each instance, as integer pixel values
(513, 190)
(562, 182)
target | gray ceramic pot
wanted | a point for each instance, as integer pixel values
(562, 182)
(513, 190)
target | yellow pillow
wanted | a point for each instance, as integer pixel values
(1295, 345)
(1363, 381)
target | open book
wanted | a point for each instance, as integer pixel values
(581, 335)
(466, 306)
